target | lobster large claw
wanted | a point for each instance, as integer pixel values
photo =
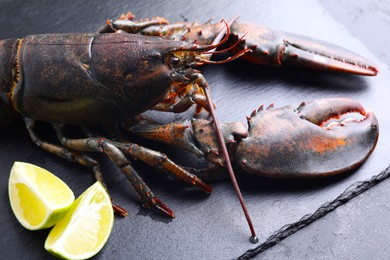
(276, 48)
(320, 138)
(316, 140)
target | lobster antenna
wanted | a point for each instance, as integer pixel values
(227, 49)
(222, 144)
(253, 239)
(228, 59)
(219, 37)
(219, 40)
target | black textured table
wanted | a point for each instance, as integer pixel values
(213, 227)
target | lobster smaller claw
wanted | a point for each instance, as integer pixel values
(320, 138)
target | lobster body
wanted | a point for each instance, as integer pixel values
(86, 78)
(102, 82)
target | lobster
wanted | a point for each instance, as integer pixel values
(108, 79)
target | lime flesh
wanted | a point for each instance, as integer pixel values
(83, 232)
(38, 198)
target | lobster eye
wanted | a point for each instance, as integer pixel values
(174, 61)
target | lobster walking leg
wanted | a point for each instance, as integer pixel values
(53, 148)
(103, 145)
(161, 161)
(71, 156)
(153, 158)
(184, 104)
(130, 26)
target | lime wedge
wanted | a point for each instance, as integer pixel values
(37, 197)
(83, 232)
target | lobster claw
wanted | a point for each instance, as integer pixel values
(279, 48)
(316, 140)
(268, 47)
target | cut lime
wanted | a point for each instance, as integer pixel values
(83, 232)
(38, 198)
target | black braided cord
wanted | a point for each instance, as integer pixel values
(289, 229)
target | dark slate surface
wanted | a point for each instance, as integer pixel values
(359, 229)
(213, 227)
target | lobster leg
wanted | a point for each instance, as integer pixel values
(156, 26)
(128, 25)
(161, 161)
(155, 159)
(183, 104)
(119, 159)
(71, 156)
